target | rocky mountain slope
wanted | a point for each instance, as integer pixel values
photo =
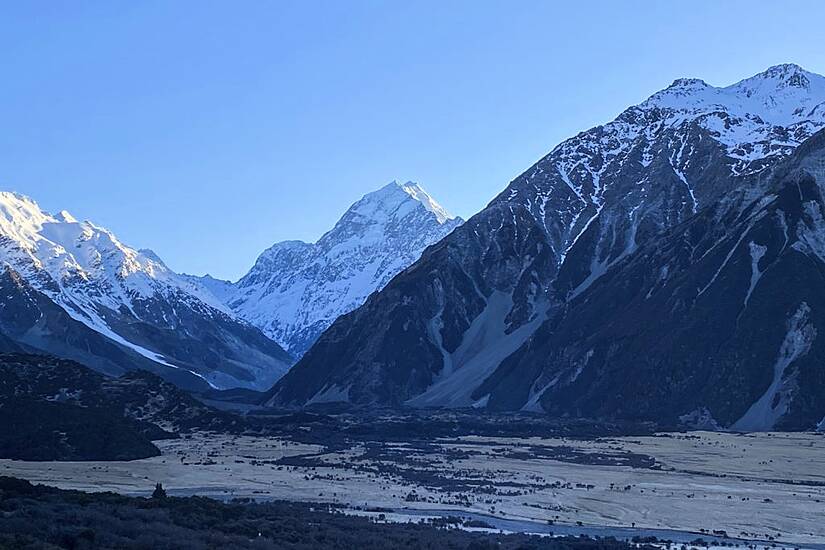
(296, 290)
(74, 290)
(496, 315)
(715, 324)
(55, 409)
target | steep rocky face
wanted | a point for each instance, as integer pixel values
(713, 325)
(439, 334)
(31, 321)
(296, 290)
(116, 307)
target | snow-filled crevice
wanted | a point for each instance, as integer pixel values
(569, 376)
(757, 252)
(676, 160)
(434, 328)
(599, 267)
(811, 236)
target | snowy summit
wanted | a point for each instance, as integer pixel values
(296, 290)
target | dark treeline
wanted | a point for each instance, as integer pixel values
(39, 517)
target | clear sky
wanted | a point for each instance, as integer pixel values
(209, 130)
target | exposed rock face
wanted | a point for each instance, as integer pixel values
(538, 302)
(715, 323)
(296, 290)
(74, 290)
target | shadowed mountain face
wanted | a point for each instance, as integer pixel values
(31, 321)
(296, 290)
(539, 302)
(715, 324)
(74, 290)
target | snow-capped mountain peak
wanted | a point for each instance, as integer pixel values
(68, 250)
(773, 95)
(394, 201)
(20, 217)
(749, 123)
(112, 288)
(418, 193)
(746, 113)
(785, 75)
(296, 289)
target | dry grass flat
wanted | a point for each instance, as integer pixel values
(757, 486)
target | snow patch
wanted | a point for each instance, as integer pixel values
(757, 252)
(418, 193)
(533, 400)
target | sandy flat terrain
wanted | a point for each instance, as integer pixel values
(762, 486)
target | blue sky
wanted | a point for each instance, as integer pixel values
(209, 130)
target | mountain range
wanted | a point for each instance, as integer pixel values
(74, 290)
(667, 265)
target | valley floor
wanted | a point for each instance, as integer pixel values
(761, 487)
